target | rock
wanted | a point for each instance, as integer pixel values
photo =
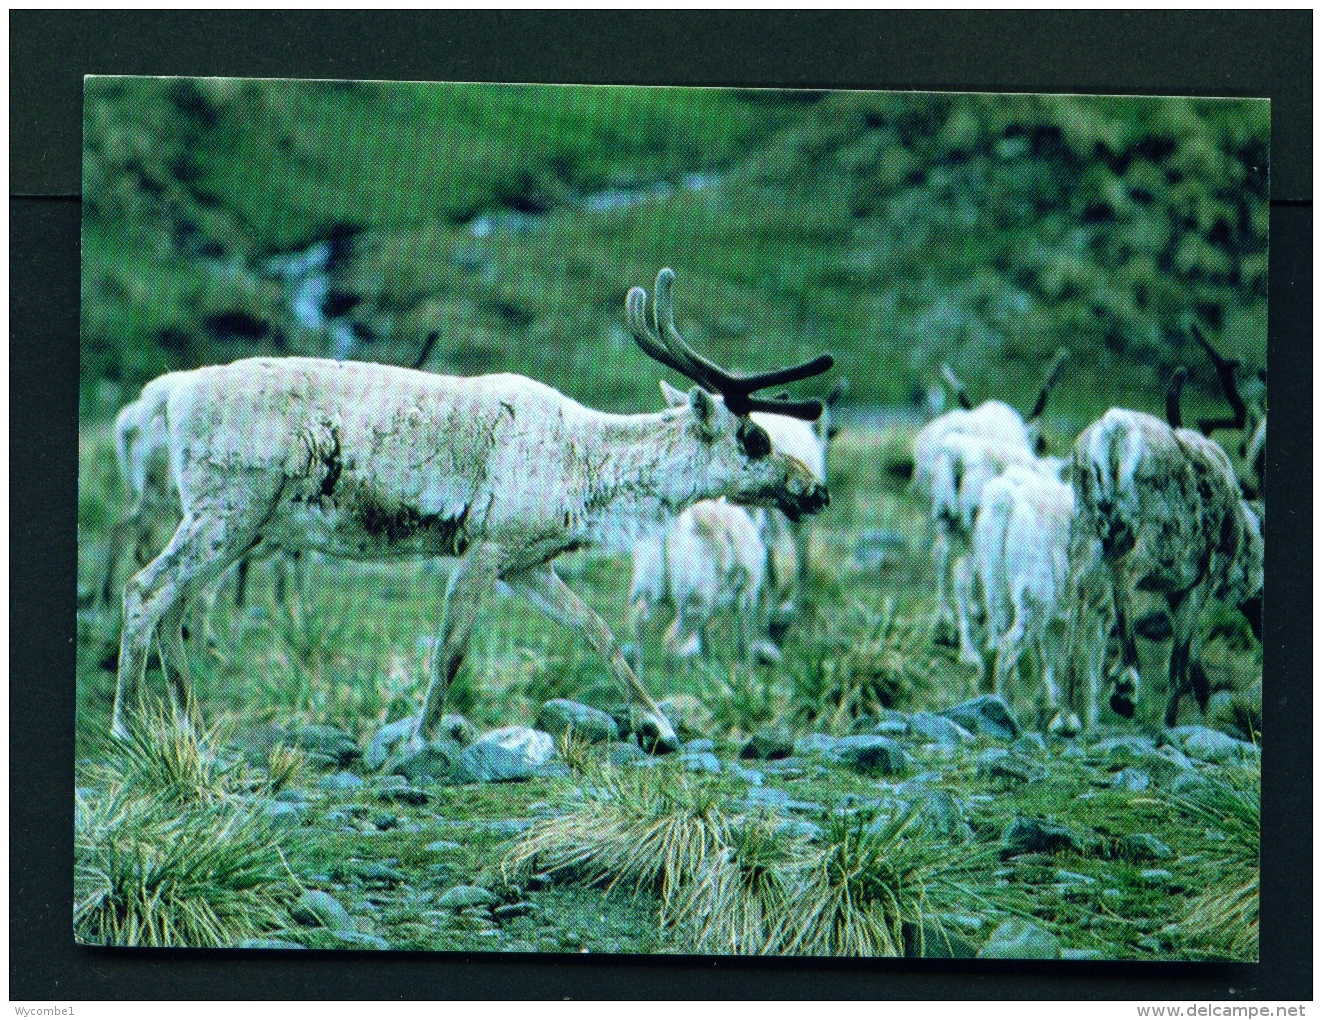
(463, 896)
(872, 755)
(560, 716)
(1190, 784)
(385, 821)
(385, 740)
(1018, 939)
(256, 743)
(689, 716)
(410, 795)
(1037, 836)
(324, 744)
(1131, 780)
(1237, 713)
(700, 761)
(373, 873)
(750, 776)
(767, 747)
(1082, 954)
(290, 795)
(504, 828)
(987, 716)
(429, 763)
(1031, 745)
(943, 814)
(285, 815)
(1166, 764)
(388, 739)
(815, 743)
(509, 754)
(940, 942)
(266, 944)
(701, 744)
(998, 763)
(509, 910)
(620, 752)
(937, 729)
(315, 907)
(1142, 846)
(767, 797)
(1123, 748)
(341, 782)
(443, 846)
(1214, 746)
(1156, 877)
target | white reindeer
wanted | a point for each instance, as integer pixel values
(376, 462)
(1165, 507)
(710, 560)
(999, 427)
(1021, 543)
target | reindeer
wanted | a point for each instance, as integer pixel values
(996, 424)
(1164, 506)
(504, 473)
(709, 560)
(143, 455)
(1250, 420)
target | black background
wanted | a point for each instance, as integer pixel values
(1194, 53)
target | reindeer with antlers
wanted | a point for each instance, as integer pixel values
(374, 462)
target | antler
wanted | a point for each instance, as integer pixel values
(1049, 380)
(1173, 416)
(1225, 373)
(660, 339)
(957, 385)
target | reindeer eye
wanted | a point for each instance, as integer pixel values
(754, 441)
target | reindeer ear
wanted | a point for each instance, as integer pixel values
(704, 406)
(672, 396)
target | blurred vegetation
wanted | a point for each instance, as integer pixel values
(896, 229)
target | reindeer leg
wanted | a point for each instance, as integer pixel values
(1185, 611)
(241, 582)
(473, 580)
(1124, 696)
(944, 630)
(542, 587)
(174, 661)
(202, 547)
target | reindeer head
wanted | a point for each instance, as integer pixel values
(734, 455)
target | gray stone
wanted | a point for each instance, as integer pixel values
(1142, 845)
(285, 815)
(463, 896)
(426, 764)
(815, 743)
(700, 761)
(373, 873)
(699, 744)
(1190, 784)
(689, 716)
(385, 740)
(987, 716)
(1018, 939)
(443, 846)
(937, 729)
(1214, 746)
(767, 797)
(872, 755)
(944, 814)
(619, 752)
(1032, 745)
(998, 763)
(520, 909)
(941, 942)
(1156, 877)
(1131, 780)
(1082, 954)
(507, 827)
(767, 747)
(1037, 836)
(1122, 748)
(1166, 764)
(750, 776)
(324, 744)
(266, 944)
(316, 907)
(509, 754)
(561, 716)
(341, 782)
(385, 821)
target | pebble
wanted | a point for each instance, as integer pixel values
(620, 752)
(316, 907)
(700, 761)
(751, 776)
(767, 747)
(1037, 836)
(1210, 745)
(338, 782)
(514, 910)
(1159, 877)
(873, 755)
(1018, 939)
(1082, 954)
(462, 896)
(1131, 780)
(814, 743)
(443, 846)
(938, 729)
(509, 754)
(1030, 744)
(987, 716)
(560, 716)
(325, 743)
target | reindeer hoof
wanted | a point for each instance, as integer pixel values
(656, 735)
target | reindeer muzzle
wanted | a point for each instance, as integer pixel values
(810, 501)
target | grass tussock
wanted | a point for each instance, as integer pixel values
(736, 883)
(1222, 922)
(871, 660)
(171, 851)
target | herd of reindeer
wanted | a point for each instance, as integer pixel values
(1053, 560)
